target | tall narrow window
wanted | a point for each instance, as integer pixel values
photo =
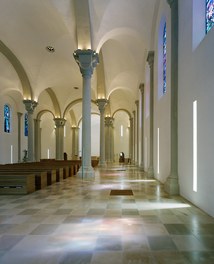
(164, 59)
(121, 130)
(209, 15)
(7, 119)
(195, 147)
(26, 124)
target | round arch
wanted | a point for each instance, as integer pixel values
(123, 110)
(92, 113)
(74, 103)
(39, 115)
(26, 87)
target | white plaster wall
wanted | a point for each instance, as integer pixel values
(195, 83)
(146, 119)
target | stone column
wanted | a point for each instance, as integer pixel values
(19, 136)
(59, 123)
(142, 128)
(101, 105)
(87, 61)
(30, 106)
(75, 142)
(150, 60)
(172, 185)
(112, 140)
(131, 140)
(137, 131)
(109, 145)
(134, 136)
(37, 139)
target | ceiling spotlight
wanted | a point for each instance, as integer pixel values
(50, 49)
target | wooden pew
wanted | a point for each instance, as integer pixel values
(40, 176)
(17, 184)
(50, 174)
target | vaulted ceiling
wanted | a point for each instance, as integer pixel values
(119, 30)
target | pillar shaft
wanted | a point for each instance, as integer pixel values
(75, 142)
(109, 139)
(101, 105)
(137, 131)
(59, 123)
(19, 135)
(171, 185)
(150, 60)
(134, 136)
(87, 61)
(142, 124)
(37, 139)
(131, 139)
(30, 106)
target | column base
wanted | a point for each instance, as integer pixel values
(102, 164)
(86, 173)
(171, 186)
(150, 172)
(141, 167)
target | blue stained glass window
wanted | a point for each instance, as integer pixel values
(26, 124)
(7, 117)
(209, 14)
(164, 59)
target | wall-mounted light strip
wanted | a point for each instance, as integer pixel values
(195, 148)
(11, 154)
(158, 151)
(64, 131)
(48, 153)
(121, 130)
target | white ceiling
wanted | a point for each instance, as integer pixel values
(120, 30)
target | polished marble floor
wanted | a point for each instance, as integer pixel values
(78, 221)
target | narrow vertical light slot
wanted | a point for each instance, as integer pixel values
(146, 150)
(11, 154)
(195, 166)
(121, 130)
(48, 153)
(158, 151)
(64, 131)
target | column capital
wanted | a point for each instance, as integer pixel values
(172, 2)
(137, 103)
(109, 121)
(19, 114)
(30, 105)
(59, 122)
(141, 88)
(87, 61)
(150, 58)
(75, 127)
(101, 103)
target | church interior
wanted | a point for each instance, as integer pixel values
(105, 131)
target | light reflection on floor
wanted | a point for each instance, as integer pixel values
(77, 221)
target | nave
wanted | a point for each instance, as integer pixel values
(79, 221)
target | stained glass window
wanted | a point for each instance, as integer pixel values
(26, 125)
(209, 14)
(164, 59)
(7, 116)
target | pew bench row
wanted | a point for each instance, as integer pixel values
(24, 178)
